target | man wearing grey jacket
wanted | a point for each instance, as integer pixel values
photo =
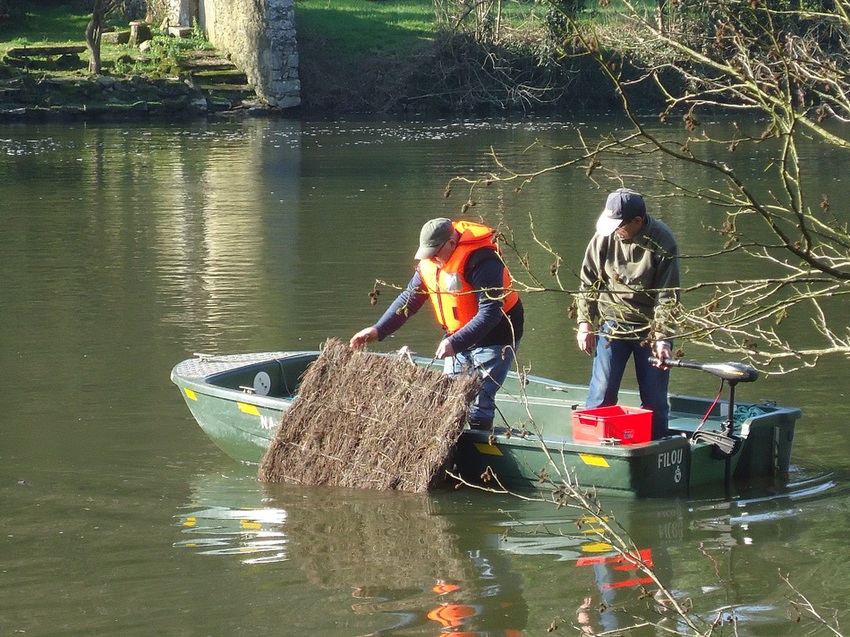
(629, 291)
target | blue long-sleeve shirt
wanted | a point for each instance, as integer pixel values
(490, 326)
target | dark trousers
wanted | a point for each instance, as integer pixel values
(614, 346)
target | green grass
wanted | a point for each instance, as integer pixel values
(342, 27)
(349, 26)
(63, 24)
(44, 25)
(36, 25)
(367, 26)
(360, 26)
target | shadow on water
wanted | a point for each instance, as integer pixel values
(489, 564)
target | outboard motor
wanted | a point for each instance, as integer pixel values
(726, 443)
(732, 372)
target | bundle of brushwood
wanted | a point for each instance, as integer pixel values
(369, 421)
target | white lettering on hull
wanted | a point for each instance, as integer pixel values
(672, 458)
(268, 422)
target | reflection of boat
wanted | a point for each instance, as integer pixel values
(227, 516)
(412, 562)
(238, 401)
(389, 557)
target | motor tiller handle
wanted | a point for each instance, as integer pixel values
(733, 372)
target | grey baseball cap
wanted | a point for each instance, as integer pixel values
(433, 236)
(622, 205)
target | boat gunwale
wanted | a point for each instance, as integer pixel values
(199, 374)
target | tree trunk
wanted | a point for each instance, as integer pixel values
(94, 30)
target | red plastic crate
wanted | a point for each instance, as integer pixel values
(629, 425)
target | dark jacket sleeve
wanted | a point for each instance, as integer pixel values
(405, 305)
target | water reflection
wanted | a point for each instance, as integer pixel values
(405, 564)
(126, 248)
(249, 533)
(475, 564)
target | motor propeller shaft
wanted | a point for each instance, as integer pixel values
(733, 372)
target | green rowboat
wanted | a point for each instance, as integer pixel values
(238, 400)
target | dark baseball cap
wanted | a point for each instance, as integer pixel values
(622, 205)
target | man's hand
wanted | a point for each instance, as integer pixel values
(586, 338)
(662, 352)
(364, 336)
(445, 349)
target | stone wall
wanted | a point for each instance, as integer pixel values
(257, 35)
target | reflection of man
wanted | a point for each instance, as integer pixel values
(615, 574)
(583, 617)
(452, 616)
(448, 615)
(629, 284)
(461, 271)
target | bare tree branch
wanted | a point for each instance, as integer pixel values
(785, 67)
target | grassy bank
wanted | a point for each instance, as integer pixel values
(360, 27)
(29, 24)
(352, 27)
(363, 56)
(399, 57)
(33, 25)
(39, 82)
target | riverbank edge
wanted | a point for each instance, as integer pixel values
(416, 83)
(46, 98)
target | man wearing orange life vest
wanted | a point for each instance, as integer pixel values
(461, 272)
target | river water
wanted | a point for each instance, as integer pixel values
(127, 248)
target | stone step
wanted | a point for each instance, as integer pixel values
(200, 56)
(226, 88)
(210, 65)
(206, 61)
(233, 76)
(223, 82)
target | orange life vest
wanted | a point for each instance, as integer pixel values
(449, 615)
(454, 299)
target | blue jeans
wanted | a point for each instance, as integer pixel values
(609, 365)
(493, 363)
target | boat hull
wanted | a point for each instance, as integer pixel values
(238, 402)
